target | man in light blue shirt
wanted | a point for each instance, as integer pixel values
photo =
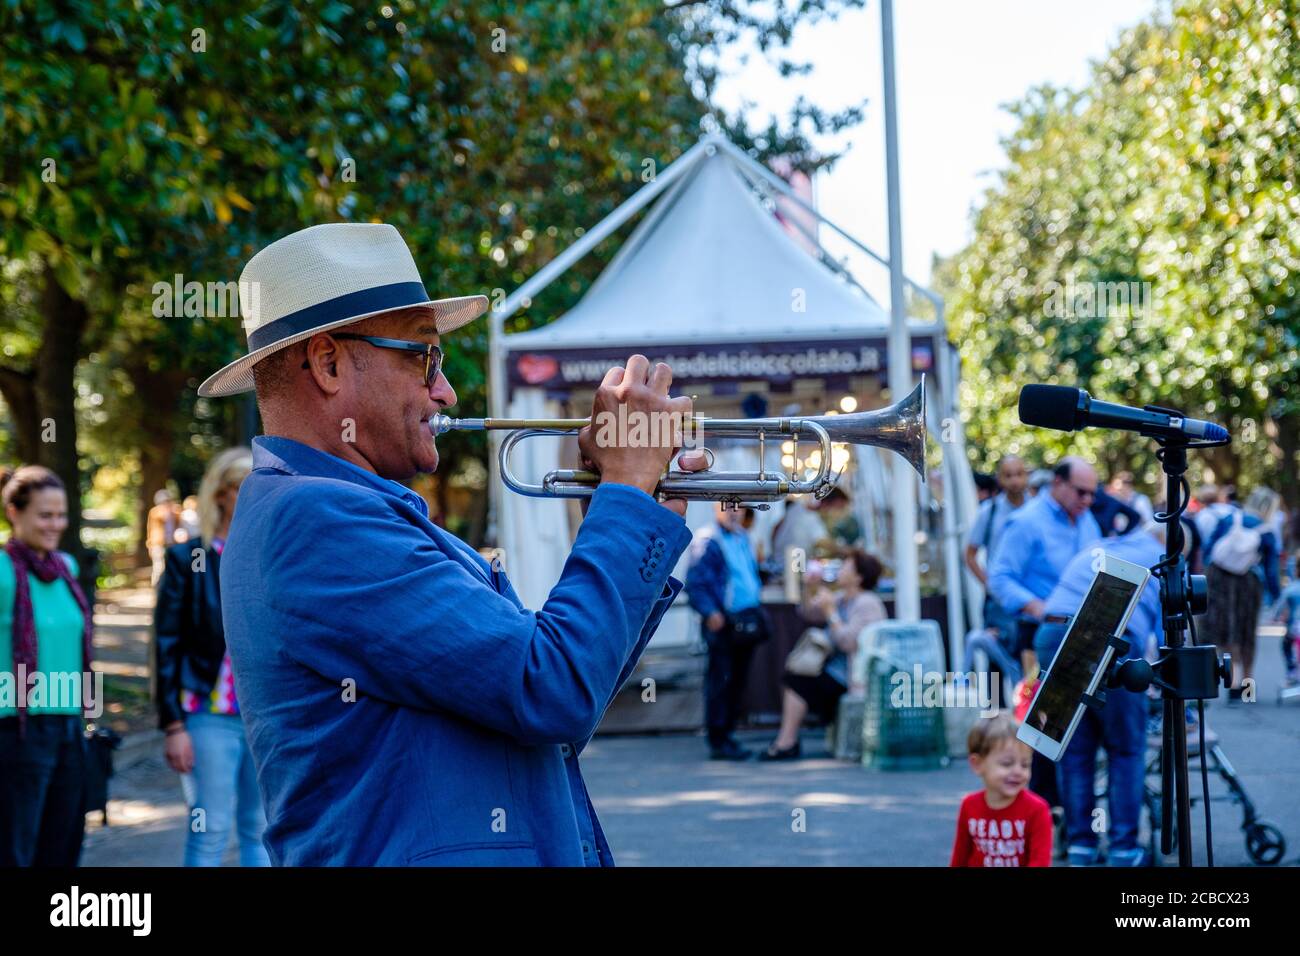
(1145, 547)
(724, 587)
(1039, 541)
(1120, 725)
(986, 532)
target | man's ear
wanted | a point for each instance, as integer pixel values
(323, 357)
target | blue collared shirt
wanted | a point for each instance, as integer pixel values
(1037, 543)
(401, 705)
(743, 586)
(1139, 548)
(991, 520)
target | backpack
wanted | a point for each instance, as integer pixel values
(1238, 550)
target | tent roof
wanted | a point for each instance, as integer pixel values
(710, 264)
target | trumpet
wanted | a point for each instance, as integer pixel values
(900, 428)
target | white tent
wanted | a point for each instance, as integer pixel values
(708, 265)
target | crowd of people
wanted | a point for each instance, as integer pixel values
(47, 626)
(724, 584)
(1033, 545)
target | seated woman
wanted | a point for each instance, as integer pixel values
(844, 614)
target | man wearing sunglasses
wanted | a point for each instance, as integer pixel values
(1038, 542)
(402, 706)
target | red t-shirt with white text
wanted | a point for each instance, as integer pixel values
(1020, 834)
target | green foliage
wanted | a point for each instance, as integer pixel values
(1176, 167)
(140, 140)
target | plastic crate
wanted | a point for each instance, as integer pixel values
(910, 736)
(846, 743)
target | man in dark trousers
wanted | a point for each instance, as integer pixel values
(723, 586)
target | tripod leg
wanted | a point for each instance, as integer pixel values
(1167, 779)
(1179, 717)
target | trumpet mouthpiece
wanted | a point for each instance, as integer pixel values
(445, 423)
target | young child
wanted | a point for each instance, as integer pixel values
(1004, 824)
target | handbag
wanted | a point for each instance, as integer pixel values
(99, 747)
(810, 653)
(747, 627)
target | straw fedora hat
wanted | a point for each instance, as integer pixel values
(324, 277)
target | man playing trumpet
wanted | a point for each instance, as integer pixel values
(402, 706)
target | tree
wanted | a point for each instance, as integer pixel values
(144, 142)
(1170, 177)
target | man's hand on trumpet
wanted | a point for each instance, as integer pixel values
(631, 452)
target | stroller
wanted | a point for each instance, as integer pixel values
(1265, 843)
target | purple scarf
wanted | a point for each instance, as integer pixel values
(46, 569)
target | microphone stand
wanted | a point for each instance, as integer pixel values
(1183, 671)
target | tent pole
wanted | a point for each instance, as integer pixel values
(907, 585)
(496, 409)
(951, 511)
(776, 182)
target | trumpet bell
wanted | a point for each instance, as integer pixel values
(900, 428)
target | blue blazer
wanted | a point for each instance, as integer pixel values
(401, 705)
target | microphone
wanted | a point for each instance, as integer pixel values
(1069, 409)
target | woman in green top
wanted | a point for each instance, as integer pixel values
(45, 645)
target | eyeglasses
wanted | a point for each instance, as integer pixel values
(1083, 492)
(432, 354)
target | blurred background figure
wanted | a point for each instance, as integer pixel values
(986, 485)
(1039, 479)
(163, 522)
(46, 627)
(1039, 541)
(723, 587)
(844, 611)
(1122, 487)
(1114, 517)
(190, 518)
(799, 531)
(1203, 495)
(1242, 553)
(1217, 503)
(997, 638)
(197, 708)
(1012, 479)
(1287, 613)
(842, 527)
